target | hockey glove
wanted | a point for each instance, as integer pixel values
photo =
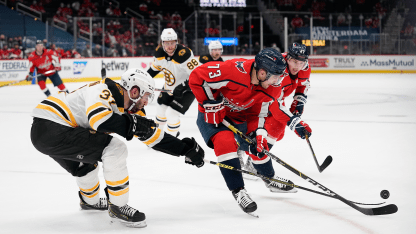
(139, 126)
(214, 111)
(195, 154)
(29, 77)
(181, 89)
(299, 127)
(58, 68)
(299, 101)
(260, 142)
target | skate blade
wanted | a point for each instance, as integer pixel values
(294, 190)
(250, 177)
(254, 214)
(140, 224)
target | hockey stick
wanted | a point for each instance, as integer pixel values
(279, 181)
(16, 82)
(163, 90)
(388, 209)
(103, 73)
(326, 162)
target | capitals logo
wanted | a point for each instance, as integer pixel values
(240, 67)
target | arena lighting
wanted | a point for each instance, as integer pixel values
(225, 41)
(315, 42)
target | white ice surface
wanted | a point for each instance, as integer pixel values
(367, 122)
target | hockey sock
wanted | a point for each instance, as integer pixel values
(233, 179)
(43, 87)
(265, 169)
(62, 87)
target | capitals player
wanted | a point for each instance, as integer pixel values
(73, 130)
(298, 82)
(176, 62)
(48, 63)
(241, 90)
(215, 51)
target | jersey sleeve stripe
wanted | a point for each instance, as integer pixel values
(94, 106)
(156, 138)
(58, 108)
(95, 120)
(63, 105)
(96, 111)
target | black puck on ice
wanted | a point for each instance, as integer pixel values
(385, 194)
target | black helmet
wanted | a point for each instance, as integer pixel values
(298, 51)
(270, 60)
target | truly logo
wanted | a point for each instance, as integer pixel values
(79, 66)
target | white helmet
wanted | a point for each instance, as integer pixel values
(142, 79)
(215, 45)
(168, 34)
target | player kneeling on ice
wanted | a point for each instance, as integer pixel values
(297, 82)
(242, 91)
(72, 129)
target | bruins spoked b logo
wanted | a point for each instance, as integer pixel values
(169, 77)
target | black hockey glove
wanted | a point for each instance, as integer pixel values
(139, 126)
(181, 89)
(194, 154)
(29, 77)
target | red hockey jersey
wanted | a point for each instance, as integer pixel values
(48, 61)
(232, 80)
(298, 83)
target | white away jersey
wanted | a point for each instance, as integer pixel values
(88, 106)
(176, 68)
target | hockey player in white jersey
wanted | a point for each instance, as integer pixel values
(73, 129)
(176, 62)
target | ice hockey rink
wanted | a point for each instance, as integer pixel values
(366, 122)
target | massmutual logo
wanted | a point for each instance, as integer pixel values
(78, 67)
(344, 62)
(390, 62)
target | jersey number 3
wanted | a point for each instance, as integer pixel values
(215, 74)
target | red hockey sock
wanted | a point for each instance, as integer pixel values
(62, 87)
(42, 85)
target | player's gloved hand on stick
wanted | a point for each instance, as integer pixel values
(194, 154)
(214, 111)
(260, 142)
(299, 101)
(29, 77)
(181, 89)
(58, 68)
(299, 127)
(139, 126)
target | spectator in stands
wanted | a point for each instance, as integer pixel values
(274, 46)
(143, 8)
(376, 22)
(256, 48)
(117, 12)
(5, 52)
(97, 51)
(3, 40)
(341, 19)
(139, 50)
(16, 52)
(109, 11)
(75, 53)
(368, 22)
(408, 31)
(86, 53)
(296, 22)
(76, 5)
(10, 43)
(45, 43)
(111, 52)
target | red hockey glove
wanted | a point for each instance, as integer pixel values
(299, 127)
(260, 142)
(299, 101)
(214, 111)
(58, 68)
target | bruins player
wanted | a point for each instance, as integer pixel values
(176, 62)
(215, 52)
(72, 129)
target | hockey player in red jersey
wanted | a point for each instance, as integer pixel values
(73, 130)
(297, 81)
(48, 63)
(242, 91)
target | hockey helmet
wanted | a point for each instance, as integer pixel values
(137, 77)
(270, 60)
(298, 51)
(168, 34)
(215, 45)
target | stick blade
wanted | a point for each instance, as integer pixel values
(385, 210)
(326, 163)
(103, 73)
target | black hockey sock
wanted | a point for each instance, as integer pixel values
(265, 169)
(233, 179)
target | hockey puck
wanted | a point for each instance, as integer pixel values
(385, 194)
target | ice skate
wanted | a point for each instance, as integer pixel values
(248, 165)
(276, 187)
(245, 202)
(101, 205)
(127, 215)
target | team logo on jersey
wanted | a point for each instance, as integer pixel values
(120, 89)
(234, 107)
(169, 77)
(182, 52)
(205, 58)
(240, 67)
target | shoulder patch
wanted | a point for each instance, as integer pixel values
(182, 54)
(159, 52)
